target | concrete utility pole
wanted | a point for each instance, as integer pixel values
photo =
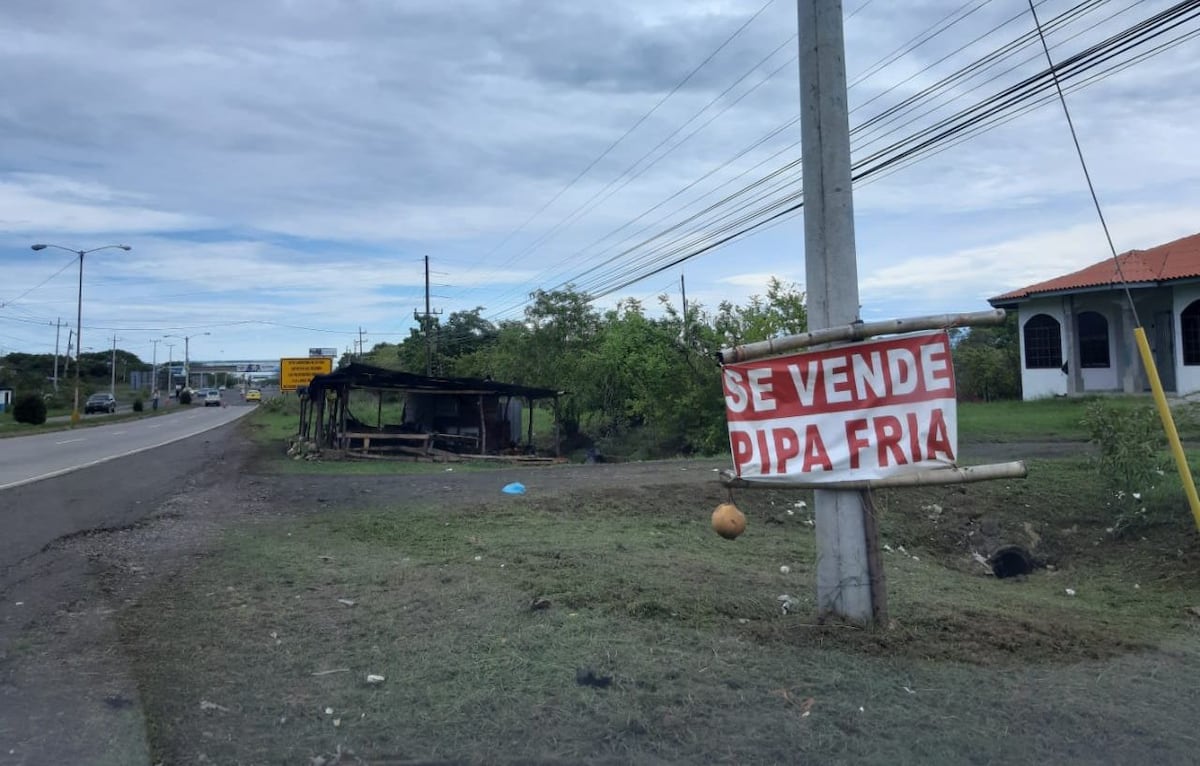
(683, 330)
(843, 572)
(58, 325)
(112, 381)
(154, 366)
(360, 342)
(426, 320)
(170, 369)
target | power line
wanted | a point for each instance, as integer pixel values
(687, 78)
(941, 26)
(70, 262)
(969, 119)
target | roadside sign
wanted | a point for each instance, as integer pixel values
(330, 352)
(860, 411)
(298, 371)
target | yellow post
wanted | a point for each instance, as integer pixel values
(1164, 412)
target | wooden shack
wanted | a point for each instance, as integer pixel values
(438, 418)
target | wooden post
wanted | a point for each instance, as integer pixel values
(345, 441)
(557, 435)
(529, 406)
(320, 420)
(482, 428)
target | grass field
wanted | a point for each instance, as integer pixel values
(485, 616)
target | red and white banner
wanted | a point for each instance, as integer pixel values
(861, 411)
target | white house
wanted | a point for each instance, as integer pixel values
(1077, 329)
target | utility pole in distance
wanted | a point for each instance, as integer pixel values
(112, 381)
(360, 342)
(844, 586)
(426, 321)
(58, 325)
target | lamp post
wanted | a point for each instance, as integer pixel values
(79, 312)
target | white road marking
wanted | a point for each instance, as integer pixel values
(70, 441)
(156, 425)
(127, 453)
(118, 433)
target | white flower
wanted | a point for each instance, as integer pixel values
(1136, 495)
(1070, 591)
(784, 569)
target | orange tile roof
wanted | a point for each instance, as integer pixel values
(1174, 260)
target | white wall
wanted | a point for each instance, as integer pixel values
(1108, 305)
(1187, 379)
(1037, 384)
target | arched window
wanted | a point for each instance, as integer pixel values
(1189, 330)
(1093, 339)
(1043, 343)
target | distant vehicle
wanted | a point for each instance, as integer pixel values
(220, 388)
(254, 395)
(212, 398)
(100, 403)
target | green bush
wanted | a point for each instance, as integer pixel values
(185, 397)
(1132, 463)
(138, 406)
(29, 408)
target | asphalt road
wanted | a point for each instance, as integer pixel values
(26, 459)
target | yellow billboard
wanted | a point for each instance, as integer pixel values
(298, 371)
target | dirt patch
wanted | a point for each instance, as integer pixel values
(972, 637)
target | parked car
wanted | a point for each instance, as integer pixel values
(212, 398)
(100, 403)
(254, 395)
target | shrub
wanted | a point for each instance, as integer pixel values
(1131, 462)
(29, 408)
(137, 405)
(185, 397)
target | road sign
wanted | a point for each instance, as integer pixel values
(863, 411)
(298, 371)
(330, 352)
(249, 368)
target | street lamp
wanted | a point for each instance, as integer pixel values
(187, 371)
(79, 312)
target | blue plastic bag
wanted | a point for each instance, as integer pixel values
(516, 488)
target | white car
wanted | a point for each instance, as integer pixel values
(212, 398)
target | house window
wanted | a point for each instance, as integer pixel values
(1093, 339)
(1043, 343)
(1189, 322)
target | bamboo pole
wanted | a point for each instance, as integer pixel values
(857, 331)
(931, 477)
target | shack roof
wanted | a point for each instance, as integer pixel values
(377, 378)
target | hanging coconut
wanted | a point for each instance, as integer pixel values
(728, 521)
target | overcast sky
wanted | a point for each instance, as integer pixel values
(280, 167)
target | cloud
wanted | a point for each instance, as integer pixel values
(279, 160)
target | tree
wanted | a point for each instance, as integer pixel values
(987, 362)
(29, 408)
(783, 312)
